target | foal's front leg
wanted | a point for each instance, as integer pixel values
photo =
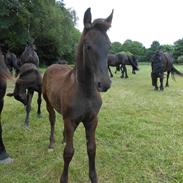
(68, 150)
(90, 128)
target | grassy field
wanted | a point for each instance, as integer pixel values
(139, 137)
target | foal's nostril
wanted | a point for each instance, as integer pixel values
(99, 85)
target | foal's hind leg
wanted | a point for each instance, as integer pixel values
(90, 128)
(28, 107)
(52, 122)
(39, 100)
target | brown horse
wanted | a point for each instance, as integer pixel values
(74, 93)
(4, 75)
(160, 63)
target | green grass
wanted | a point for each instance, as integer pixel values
(139, 137)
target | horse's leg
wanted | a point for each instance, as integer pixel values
(28, 107)
(155, 83)
(39, 100)
(167, 77)
(52, 118)
(90, 128)
(68, 150)
(3, 154)
(125, 70)
(110, 71)
(4, 157)
(122, 71)
(161, 83)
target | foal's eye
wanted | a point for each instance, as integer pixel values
(87, 46)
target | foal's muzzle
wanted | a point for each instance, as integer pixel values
(103, 87)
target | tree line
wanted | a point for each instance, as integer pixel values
(144, 54)
(52, 28)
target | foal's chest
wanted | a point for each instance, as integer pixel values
(84, 108)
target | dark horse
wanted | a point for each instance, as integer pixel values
(74, 93)
(120, 61)
(160, 63)
(4, 75)
(124, 60)
(29, 55)
(29, 80)
(113, 61)
(12, 62)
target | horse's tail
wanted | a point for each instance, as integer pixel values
(175, 71)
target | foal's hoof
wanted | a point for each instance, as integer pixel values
(6, 161)
(50, 150)
(155, 89)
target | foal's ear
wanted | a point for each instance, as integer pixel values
(87, 18)
(109, 18)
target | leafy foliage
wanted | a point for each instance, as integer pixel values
(48, 23)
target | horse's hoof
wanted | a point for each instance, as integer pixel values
(50, 150)
(7, 161)
(39, 115)
(155, 89)
(27, 127)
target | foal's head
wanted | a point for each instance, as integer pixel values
(95, 45)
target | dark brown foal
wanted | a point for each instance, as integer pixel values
(74, 93)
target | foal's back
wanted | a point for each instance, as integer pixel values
(58, 81)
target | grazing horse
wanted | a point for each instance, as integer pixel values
(4, 74)
(160, 63)
(29, 55)
(74, 93)
(29, 80)
(124, 60)
(113, 61)
(12, 62)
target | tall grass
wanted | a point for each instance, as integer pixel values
(139, 137)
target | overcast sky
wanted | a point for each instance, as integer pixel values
(138, 20)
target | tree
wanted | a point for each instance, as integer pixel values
(116, 47)
(134, 47)
(178, 48)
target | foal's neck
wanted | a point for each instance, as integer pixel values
(85, 76)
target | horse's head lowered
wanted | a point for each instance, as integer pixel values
(95, 45)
